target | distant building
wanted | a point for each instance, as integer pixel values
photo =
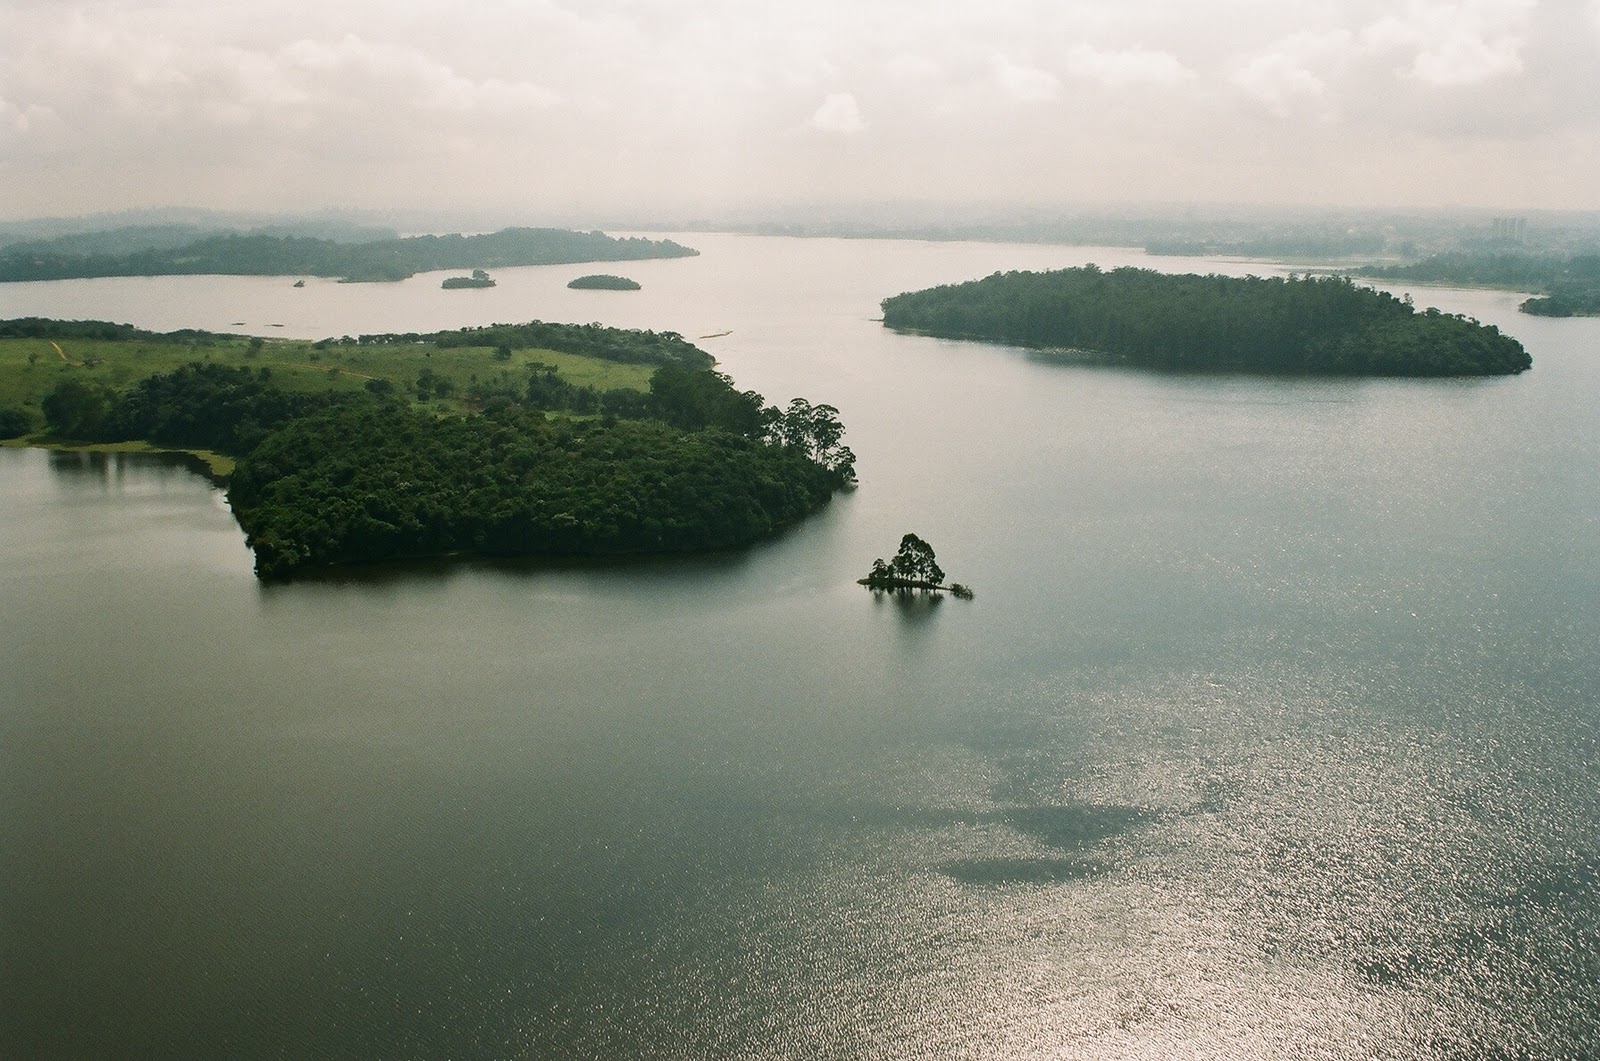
(1510, 229)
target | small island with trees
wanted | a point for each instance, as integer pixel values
(479, 278)
(913, 570)
(603, 282)
(584, 440)
(1300, 325)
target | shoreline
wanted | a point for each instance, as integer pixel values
(214, 466)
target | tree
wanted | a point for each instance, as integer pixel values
(915, 563)
(815, 431)
(694, 399)
(76, 409)
(14, 422)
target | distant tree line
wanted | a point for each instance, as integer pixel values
(386, 259)
(1530, 272)
(625, 345)
(49, 328)
(1568, 286)
(622, 345)
(1253, 324)
(1290, 244)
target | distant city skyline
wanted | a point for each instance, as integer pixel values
(633, 107)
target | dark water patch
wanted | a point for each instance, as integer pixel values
(1076, 828)
(998, 871)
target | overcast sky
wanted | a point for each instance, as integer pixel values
(684, 105)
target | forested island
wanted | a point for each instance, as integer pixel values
(373, 260)
(603, 282)
(1314, 325)
(479, 278)
(349, 465)
(1568, 285)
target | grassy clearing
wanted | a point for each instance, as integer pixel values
(31, 368)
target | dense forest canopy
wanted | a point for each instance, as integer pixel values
(386, 259)
(368, 481)
(1252, 324)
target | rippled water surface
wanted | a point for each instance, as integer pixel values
(1270, 734)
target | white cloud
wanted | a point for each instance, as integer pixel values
(839, 113)
(25, 119)
(1456, 43)
(1130, 66)
(356, 65)
(1278, 81)
(1295, 70)
(1024, 83)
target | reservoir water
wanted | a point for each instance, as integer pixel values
(1272, 731)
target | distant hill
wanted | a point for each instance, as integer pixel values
(260, 254)
(144, 230)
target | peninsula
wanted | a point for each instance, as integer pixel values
(513, 440)
(1299, 325)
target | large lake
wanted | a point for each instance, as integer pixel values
(1272, 731)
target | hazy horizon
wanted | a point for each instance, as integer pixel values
(632, 108)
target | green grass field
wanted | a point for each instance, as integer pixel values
(31, 368)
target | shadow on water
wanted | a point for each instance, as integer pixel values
(997, 871)
(112, 467)
(1076, 828)
(1077, 837)
(913, 608)
(1073, 830)
(394, 573)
